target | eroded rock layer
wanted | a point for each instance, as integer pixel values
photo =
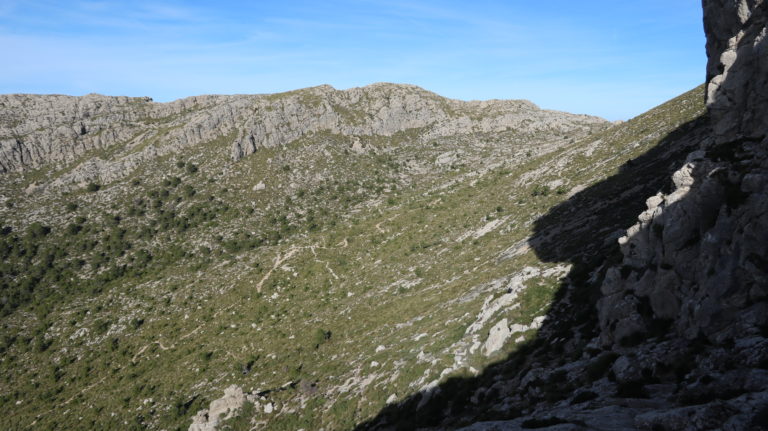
(106, 138)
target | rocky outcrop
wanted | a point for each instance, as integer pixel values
(695, 267)
(230, 405)
(497, 337)
(737, 70)
(58, 131)
(106, 138)
(386, 109)
(220, 410)
(697, 256)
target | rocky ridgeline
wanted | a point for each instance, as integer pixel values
(386, 109)
(104, 138)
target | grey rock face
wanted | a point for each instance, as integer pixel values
(35, 130)
(697, 255)
(385, 109)
(497, 337)
(106, 138)
(737, 67)
(694, 266)
(220, 409)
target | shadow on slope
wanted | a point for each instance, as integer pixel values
(583, 232)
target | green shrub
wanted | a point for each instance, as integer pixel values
(93, 187)
(36, 230)
(43, 344)
(171, 182)
(73, 229)
(136, 322)
(101, 326)
(189, 191)
(320, 337)
(540, 190)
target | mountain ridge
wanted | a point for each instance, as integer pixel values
(256, 121)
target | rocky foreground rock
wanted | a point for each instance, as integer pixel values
(698, 254)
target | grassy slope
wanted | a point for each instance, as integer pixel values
(370, 258)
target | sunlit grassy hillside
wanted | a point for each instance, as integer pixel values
(329, 276)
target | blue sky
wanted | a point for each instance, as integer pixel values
(614, 58)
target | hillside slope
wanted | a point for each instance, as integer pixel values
(155, 254)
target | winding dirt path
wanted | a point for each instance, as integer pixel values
(378, 225)
(143, 349)
(279, 259)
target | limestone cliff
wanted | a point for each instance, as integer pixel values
(698, 254)
(737, 70)
(696, 263)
